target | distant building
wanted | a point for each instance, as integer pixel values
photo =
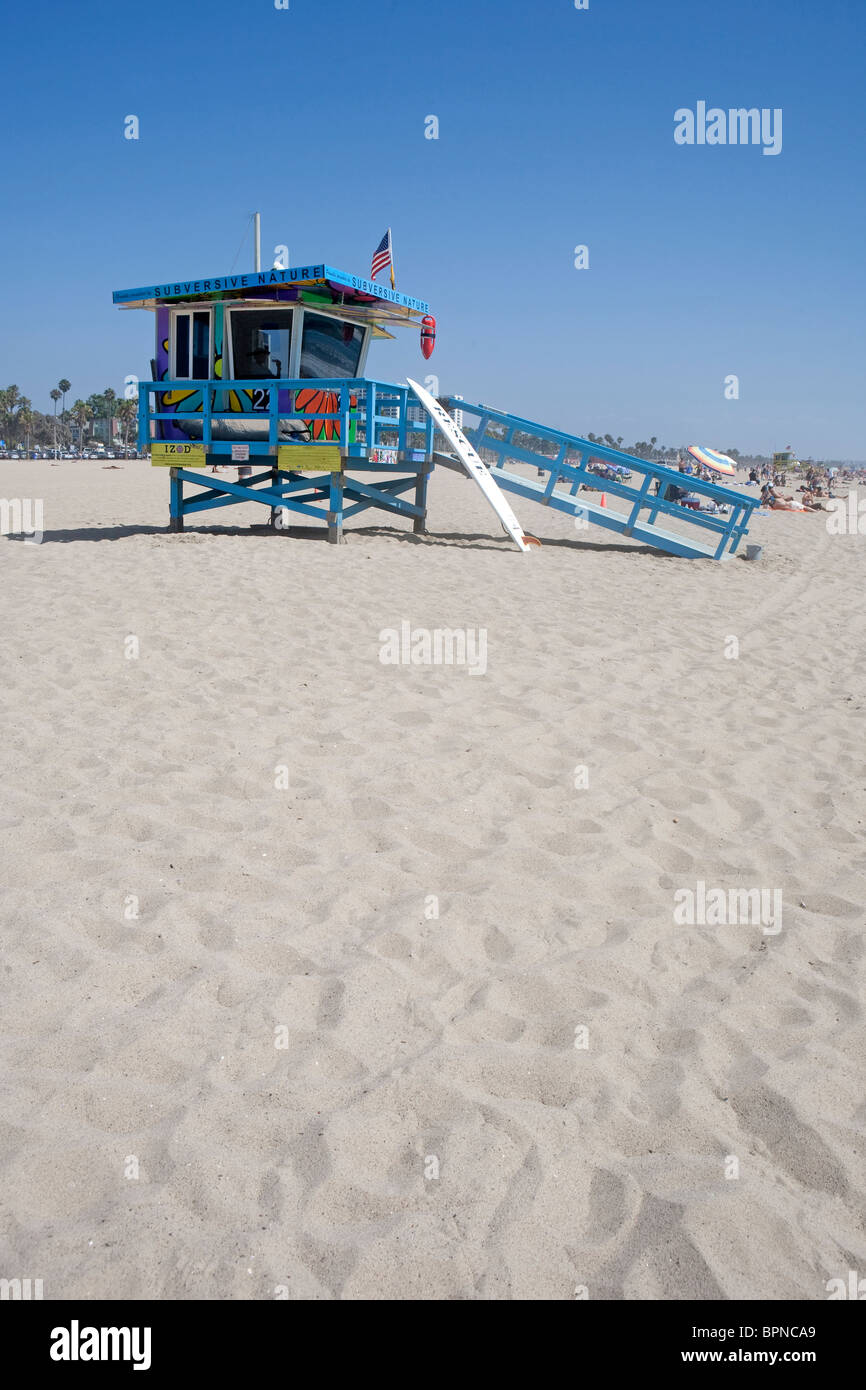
(100, 432)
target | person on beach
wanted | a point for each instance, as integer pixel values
(810, 502)
(771, 499)
(674, 493)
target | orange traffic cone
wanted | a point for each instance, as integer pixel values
(602, 502)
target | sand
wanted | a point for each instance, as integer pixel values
(243, 1055)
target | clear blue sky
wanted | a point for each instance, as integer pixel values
(556, 129)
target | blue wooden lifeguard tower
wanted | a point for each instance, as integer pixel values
(266, 369)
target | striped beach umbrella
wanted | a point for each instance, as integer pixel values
(720, 463)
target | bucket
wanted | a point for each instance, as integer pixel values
(754, 552)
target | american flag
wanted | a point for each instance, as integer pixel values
(383, 256)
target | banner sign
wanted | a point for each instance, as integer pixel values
(263, 279)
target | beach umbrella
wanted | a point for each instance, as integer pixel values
(720, 463)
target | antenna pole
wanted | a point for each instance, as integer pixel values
(258, 264)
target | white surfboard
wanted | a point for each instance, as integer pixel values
(472, 463)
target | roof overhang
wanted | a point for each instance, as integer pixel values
(350, 296)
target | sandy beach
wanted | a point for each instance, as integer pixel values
(326, 978)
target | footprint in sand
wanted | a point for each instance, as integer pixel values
(411, 719)
(330, 1010)
(792, 1144)
(270, 1197)
(216, 935)
(497, 946)
(607, 1207)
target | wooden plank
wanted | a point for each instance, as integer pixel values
(384, 497)
(335, 509)
(176, 503)
(419, 525)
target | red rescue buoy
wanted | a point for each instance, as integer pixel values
(428, 335)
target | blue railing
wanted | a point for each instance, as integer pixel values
(369, 414)
(568, 459)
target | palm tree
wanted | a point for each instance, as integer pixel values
(83, 414)
(55, 396)
(8, 402)
(109, 397)
(653, 444)
(24, 418)
(63, 386)
(127, 412)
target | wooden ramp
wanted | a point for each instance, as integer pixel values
(576, 474)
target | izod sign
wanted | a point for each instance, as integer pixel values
(168, 453)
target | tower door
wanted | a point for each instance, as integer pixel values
(192, 351)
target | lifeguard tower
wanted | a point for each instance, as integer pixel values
(267, 368)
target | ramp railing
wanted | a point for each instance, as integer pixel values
(587, 467)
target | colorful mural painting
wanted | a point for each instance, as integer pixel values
(330, 346)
